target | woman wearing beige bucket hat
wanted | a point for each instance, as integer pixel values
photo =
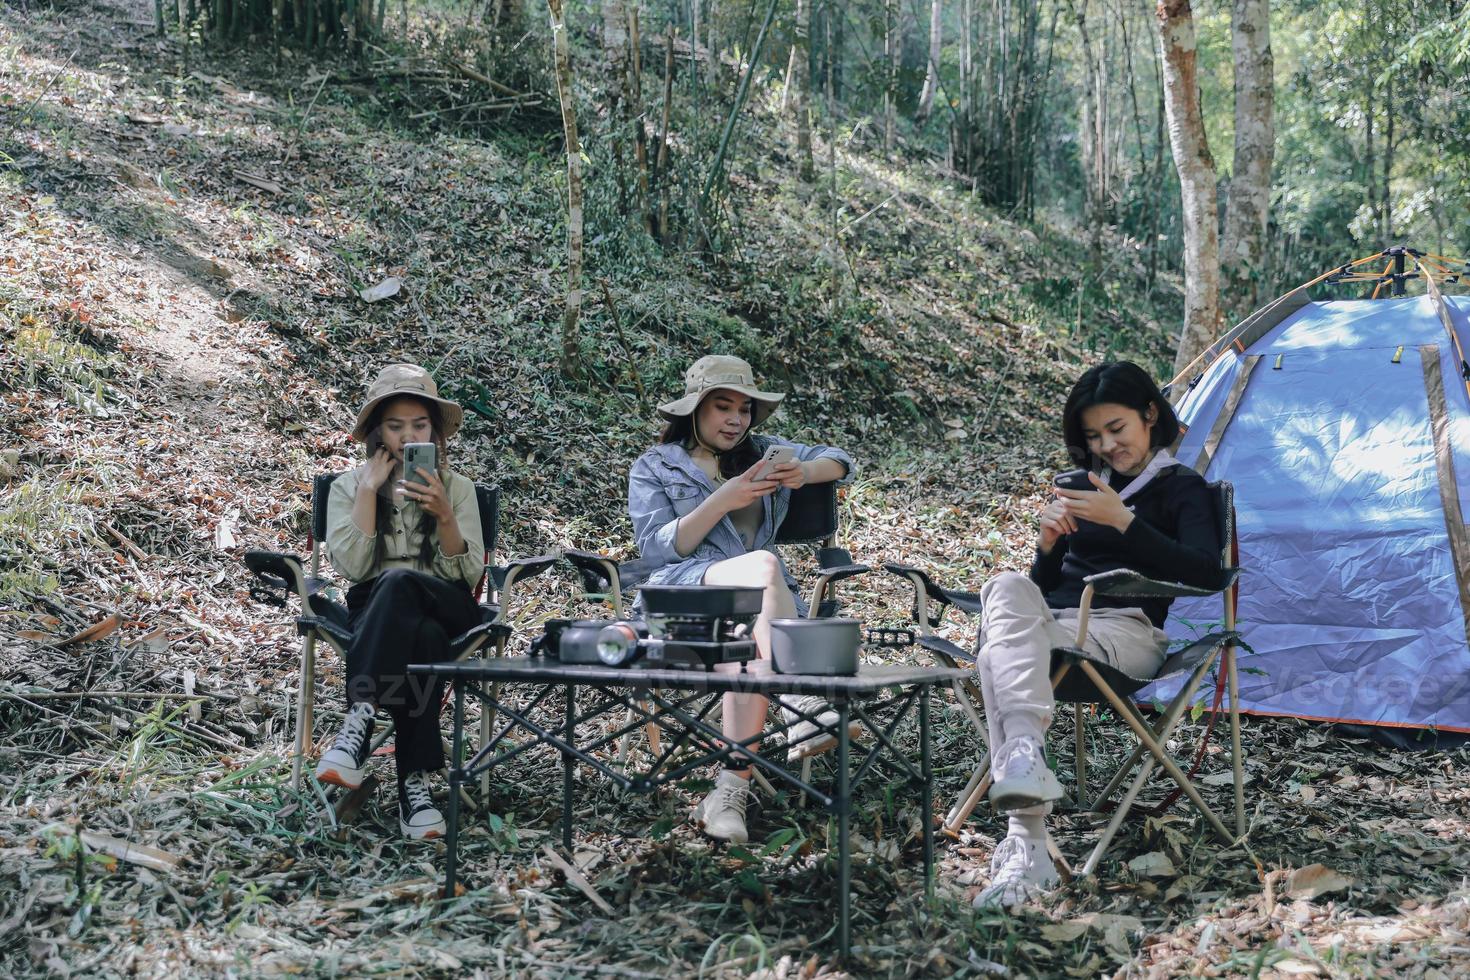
(700, 516)
(413, 546)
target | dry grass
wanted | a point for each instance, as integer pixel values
(179, 351)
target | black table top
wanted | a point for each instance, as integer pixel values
(758, 679)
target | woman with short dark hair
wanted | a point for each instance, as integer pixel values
(1144, 511)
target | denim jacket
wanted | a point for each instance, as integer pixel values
(665, 484)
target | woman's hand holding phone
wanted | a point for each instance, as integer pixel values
(741, 491)
(1101, 505)
(428, 490)
(791, 475)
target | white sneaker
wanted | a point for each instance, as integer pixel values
(804, 738)
(1022, 778)
(721, 814)
(345, 763)
(418, 818)
(1020, 871)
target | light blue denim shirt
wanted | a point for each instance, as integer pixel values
(665, 484)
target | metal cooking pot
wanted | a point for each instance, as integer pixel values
(815, 646)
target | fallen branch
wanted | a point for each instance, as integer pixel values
(75, 695)
(141, 854)
(470, 73)
(618, 326)
(128, 543)
(576, 879)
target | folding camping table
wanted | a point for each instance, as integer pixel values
(680, 702)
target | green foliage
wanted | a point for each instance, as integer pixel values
(37, 520)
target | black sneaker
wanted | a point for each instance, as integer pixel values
(418, 818)
(345, 763)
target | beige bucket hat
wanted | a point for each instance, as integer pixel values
(406, 379)
(721, 371)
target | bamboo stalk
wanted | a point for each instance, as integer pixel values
(740, 94)
(661, 165)
(570, 355)
(635, 108)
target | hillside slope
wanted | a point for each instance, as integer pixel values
(184, 345)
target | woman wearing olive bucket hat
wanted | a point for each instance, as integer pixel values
(700, 517)
(413, 546)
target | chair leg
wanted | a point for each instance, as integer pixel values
(1079, 727)
(1122, 771)
(1124, 805)
(485, 723)
(1157, 751)
(969, 797)
(968, 696)
(305, 695)
(1232, 678)
(487, 718)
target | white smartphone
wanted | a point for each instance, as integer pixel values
(773, 457)
(416, 455)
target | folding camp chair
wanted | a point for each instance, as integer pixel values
(931, 602)
(811, 517)
(1101, 682)
(280, 575)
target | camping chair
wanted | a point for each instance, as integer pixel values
(811, 517)
(931, 602)
(281, 575)
(1096, 681)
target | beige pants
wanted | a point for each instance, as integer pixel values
(1013, 651)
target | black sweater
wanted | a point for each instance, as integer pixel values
(1174, 537)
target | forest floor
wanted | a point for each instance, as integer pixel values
(182, 344)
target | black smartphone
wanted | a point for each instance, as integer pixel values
(1074, 480)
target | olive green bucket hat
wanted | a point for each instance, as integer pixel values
(406, 379)
(721, 371)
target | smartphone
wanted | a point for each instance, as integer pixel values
(416, 455)
(773, 457)
(1074, 480)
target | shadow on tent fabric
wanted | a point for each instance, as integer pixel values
(1413, 739)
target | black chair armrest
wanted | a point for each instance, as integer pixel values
(277, 572)
(968, 602)
(592, 567)
(947, 652)
(845, 571)
(1128, 584)
(462, 644)
(524, 568)
(325, 626)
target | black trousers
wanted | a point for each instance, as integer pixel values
(405, 617)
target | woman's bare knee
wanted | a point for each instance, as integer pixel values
(758, 569)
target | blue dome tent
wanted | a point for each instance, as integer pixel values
(1345, 427)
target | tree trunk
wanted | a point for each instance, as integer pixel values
(890, 71)
(661, 164)
(614, 53)
(1093, 145)
(640, 132)
(931, 71)
(802, 84)
(1196, 179)
(1243, 252)
(571, 366)
(1387, 190)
